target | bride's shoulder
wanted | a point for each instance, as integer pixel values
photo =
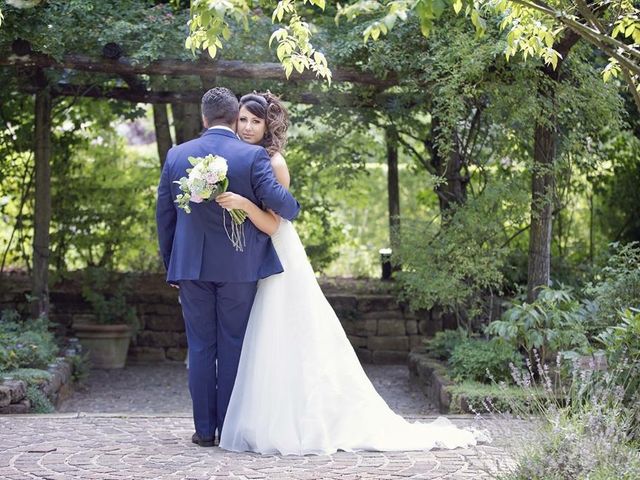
(278, 163)
(280, 169)
(278, 159)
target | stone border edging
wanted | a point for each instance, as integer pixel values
(56, 389)
(431, 375)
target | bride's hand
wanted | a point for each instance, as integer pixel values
(232, 201)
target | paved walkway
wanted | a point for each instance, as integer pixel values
(136, 424)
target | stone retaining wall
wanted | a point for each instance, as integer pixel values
(380, 329)
(13, 392)
(430, 375)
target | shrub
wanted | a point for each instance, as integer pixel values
(107, 296)
(81, 366)
(623, 339)
(27, 344)
(32, 376)
(622, 344)
(552, 323)
(443, 343)
(39, 401)
(619, 287)
(455, 263)
(471, 360)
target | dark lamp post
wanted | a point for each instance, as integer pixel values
(385, 261)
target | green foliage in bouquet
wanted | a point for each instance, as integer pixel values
(195, 187)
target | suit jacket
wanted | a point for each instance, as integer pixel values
(195, 246)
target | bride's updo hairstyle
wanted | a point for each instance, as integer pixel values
(269, 107)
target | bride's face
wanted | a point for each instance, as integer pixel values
(250, 128)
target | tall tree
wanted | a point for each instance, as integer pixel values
(42, 149)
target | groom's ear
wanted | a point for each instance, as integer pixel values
(204, 122)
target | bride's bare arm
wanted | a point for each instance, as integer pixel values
(280, 170)
(265, 221)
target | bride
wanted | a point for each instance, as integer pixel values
(300, 388)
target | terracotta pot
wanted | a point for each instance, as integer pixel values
(107, 344)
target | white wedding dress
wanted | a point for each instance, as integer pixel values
(300, 388)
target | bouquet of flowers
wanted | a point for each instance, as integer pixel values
(208, 179)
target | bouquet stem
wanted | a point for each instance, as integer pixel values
(237, 228)
(238, 216)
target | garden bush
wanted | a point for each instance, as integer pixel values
(619, 285)
(40, 403)
(25, 344)
(31, 376)
(443, 343)
(554, 322)
(476, 359)
(107, 295)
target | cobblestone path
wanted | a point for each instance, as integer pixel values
(136, 424)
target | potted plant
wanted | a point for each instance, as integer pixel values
(107, 332)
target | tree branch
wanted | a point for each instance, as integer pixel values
(584, 31)
(632, 86)
(415, 153)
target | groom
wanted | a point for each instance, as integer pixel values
(217, 283)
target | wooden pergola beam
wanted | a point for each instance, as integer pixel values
(222, 68)
(164, 97)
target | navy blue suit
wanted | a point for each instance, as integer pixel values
(217, 283)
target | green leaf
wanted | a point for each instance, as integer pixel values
(425, 27)
(281, 51)
(288, 67)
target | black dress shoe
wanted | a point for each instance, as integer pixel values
(202, 441)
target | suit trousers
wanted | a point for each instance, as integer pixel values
(215, 316)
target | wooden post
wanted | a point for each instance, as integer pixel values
(187, 121)
(42, 214)
(192, 121)
(391, 138)
(163, 133)
(177, 112)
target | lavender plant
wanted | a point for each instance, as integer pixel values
(587, 426)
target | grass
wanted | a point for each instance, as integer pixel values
(471, 396)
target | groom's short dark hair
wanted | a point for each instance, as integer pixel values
(220, 105)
